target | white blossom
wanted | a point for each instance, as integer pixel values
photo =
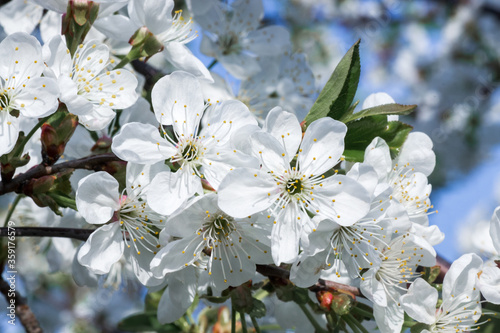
(461, 307)
(291, 190)
(200, 147)
(233, 245)
(88, 89)
(24, 92)
(126, 219)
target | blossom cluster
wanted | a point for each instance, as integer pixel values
(217, 183)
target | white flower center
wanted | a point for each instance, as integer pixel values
(5, 98)
(140, 223)
(352, 241)
(229, 44)
(456, 314)
(405, 184)
(181, 30)
(295, 186)
(190, 152)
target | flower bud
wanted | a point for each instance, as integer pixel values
(9, 168)
(77, 21)
(144, 44)
(341, 303)
(102, 145)
(325, 299)
(56, 133)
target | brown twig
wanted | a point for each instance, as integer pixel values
(23, 311)
(79, 234)
(150, 73)
(444, 265)
(269, 270)
(93, 162)
(266, 270)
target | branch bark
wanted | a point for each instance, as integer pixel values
(266, 270)
(94, 162)
(79, 234)
(269, 270)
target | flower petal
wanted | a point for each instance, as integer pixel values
(21, 56)
(372, 288)
(187, 221)
(102, 249)
(270, 152)
(417, 150)
(97, 197)
(117, 27)
(98, 118)
(390, 318)
(495, 229)
(420, 302)
(178, 296)
(38, 98)
(168, 191)
(285, 128)
(461, 277)
(156, 15)
(9, 132)
(322, 146)
(176, 255)
(285, 236)
(247, 191)
(489, 284)
(178, 100)
(377, 154)
(342, 199)
(142, 144)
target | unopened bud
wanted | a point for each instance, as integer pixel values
(341, 303)
(102, 145)
(325, 299)
(56, 133)
(9, 168)
(77, 21)
(144, 44)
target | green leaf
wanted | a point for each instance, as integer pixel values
(152, 300)
(386, 109)
(290, 293)
(215, 299)
(241, 299)
(258, 309)
(146, 321)
(360, 134)
(431, 273)
(338, 93)
(417, 328)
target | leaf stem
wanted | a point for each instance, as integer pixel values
(11, 209)
(310, 317)
(124, 62)
(243, 323)
(233, 320)
(19, 149)
(362, 312)
(255, 324)
(351, 324)
(355, 322)
(212, 64)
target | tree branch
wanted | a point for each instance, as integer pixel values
(23, 311)
(79, 234)
(266, 270)
(269, 270)
(93, 162)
